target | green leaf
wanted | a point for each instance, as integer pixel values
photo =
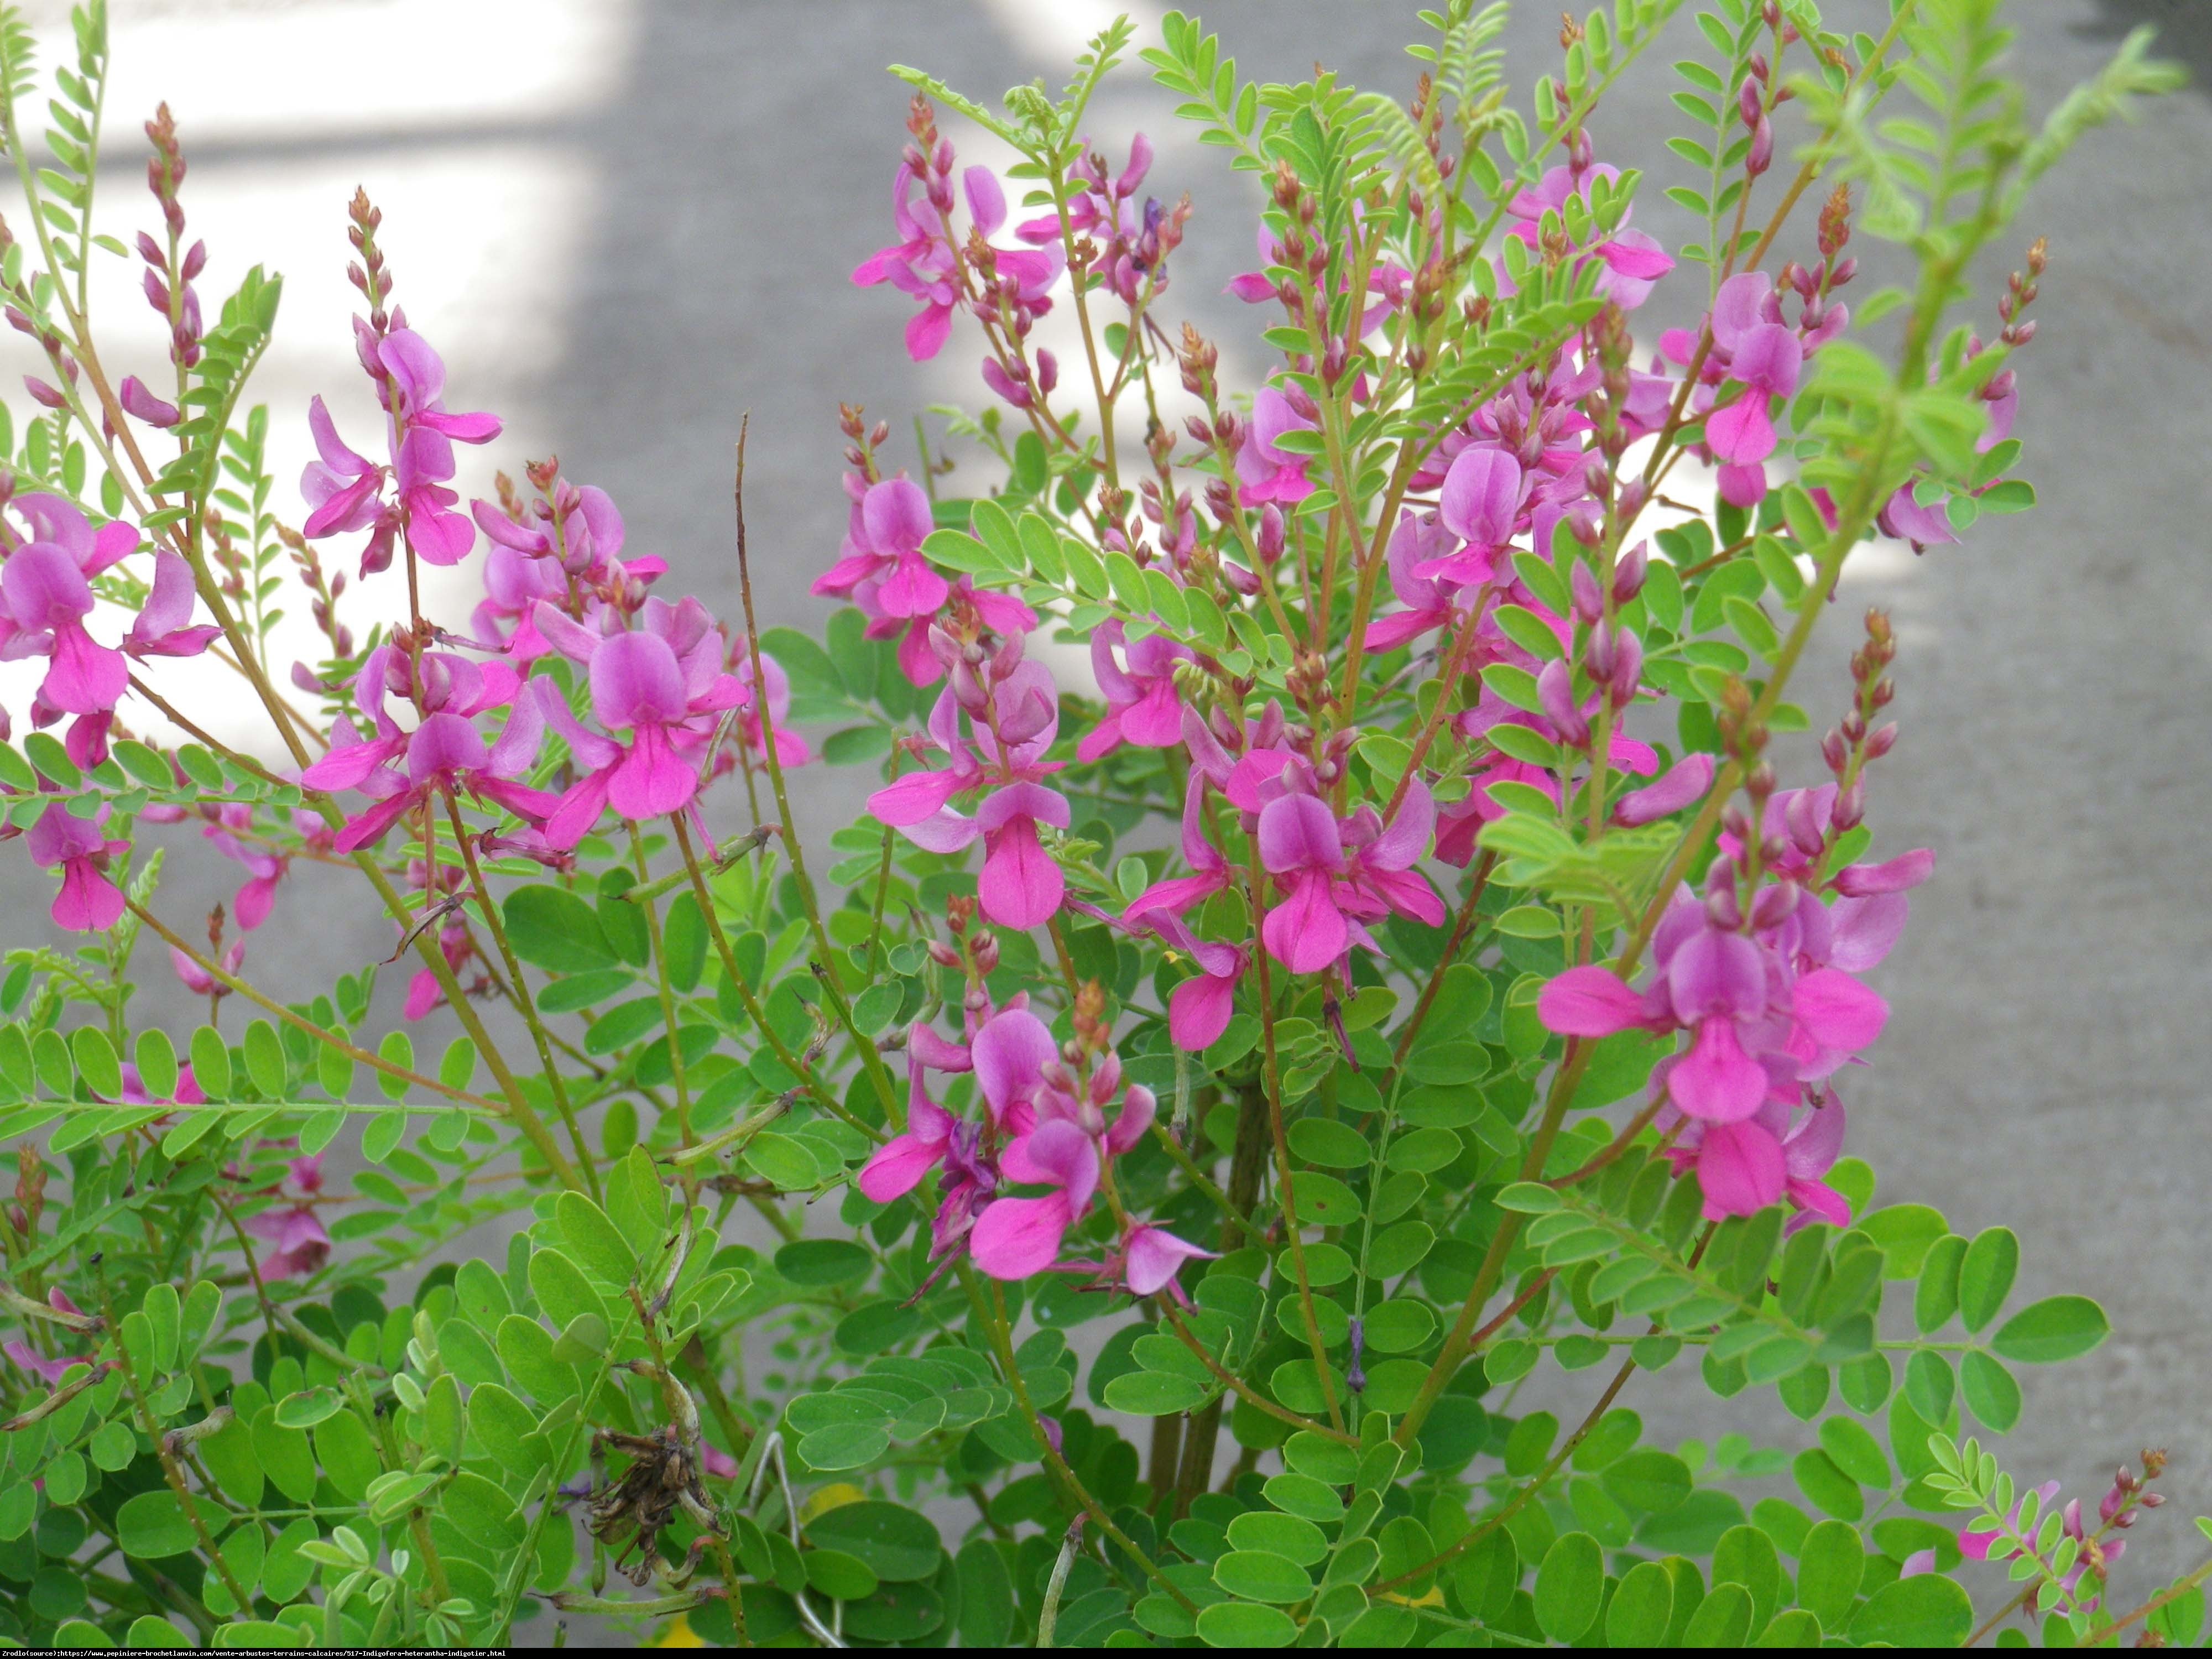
(1928, 1611)
(309, 1407)
(112, 1447)
(151, 1631)
(898, 1545)
(1855, 1451)
(1991, 1392)
(1985, 1276)
(347, 1456)
(210, 1063)
(1254, 1576)
(823, 1262)
(595, 1242)
(1642, 1608)
(1906, 1233)
(552, 928)
(1568, 1585)
(96, 1062)
(1936, 1298)
(1829, 1567)
(152, 1525)
(1723, 1619)
(1827, 1486)
(2058, 1328)
(1284, 1536)
(1245, 1625)
(1648, 1482)
(264, 1059)
(986, 1596)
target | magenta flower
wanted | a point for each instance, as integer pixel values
(1198, 1008)
(1152, 1256)
(1417, 542)
(163, 628)
(1300, 847)
(662, 683)
(196, 979)
(1018, 1238)
(447, 754)
(88, 901)
(137, 401)
(1142, 706)
(1021, 886)
(1269, 474)
(1480, 503)
(46, 595)
(1633, 261)
(1685, 782)
(791, 748)
(302, 1243)
(49, 1371)
(418, 375)
(581, 531)
(883, 552)
(1179, 895)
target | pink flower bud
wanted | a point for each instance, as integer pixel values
(1685, 781)
(1748, 105)
(137, 401)
(986, 951)
(42, 392)
(1849, 808)
(304, 677)
(1906, 870)
(150, 250)
(1762, 149)
(1199, 432)
(1627, 669)
(195, 261)
(1047, 371)
(1244, 582)
(1555, 691)
(1774, 904)
(943, 954)
(1269, 539)
(1301, 400)
(1631, 568)
(1588, 602)
(1843, 271)
(1597, 649)
(1881, 741)
(1835, 752)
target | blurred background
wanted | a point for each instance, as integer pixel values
(627, 223)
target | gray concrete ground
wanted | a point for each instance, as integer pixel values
(646, 222)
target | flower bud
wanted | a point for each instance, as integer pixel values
(1268, 540)
(1850, 809)
(1630, 568)
(1047, 371)
(1243, 580)
(1555, 691)
(1200, 433)
(1844, 271)
(986, 951)
(1627, 669)
(1589, 601)
(1747, 104)
(1597, 650)
(1301, 400)
(1762, 149)
(1774, 904)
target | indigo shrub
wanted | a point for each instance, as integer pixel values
(1404, 993)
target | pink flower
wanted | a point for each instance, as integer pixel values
(196, 979)
(1153, 1256)
(1633, 261)
(1018, 1238)
(163, 629)
(1300, 845)
(884, 550)
(791, 748)
(1198, 1008)
(1211, 871)
(88, 901)
(1685, 781)
(1480, 503)
(1142, 706)
(663, 683)
(1269, 474)
(1417, 542)
(1014, 722)
(302, 1244)
(50, 1371)
(46, 595)
(418, 375)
